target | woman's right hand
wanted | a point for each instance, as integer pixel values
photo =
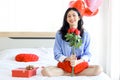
(72, 57)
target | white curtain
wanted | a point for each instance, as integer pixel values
(113, 42)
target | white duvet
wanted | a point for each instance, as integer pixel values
(7, 63)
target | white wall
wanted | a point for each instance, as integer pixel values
(97, 27)
(113, 59)
(32, 15)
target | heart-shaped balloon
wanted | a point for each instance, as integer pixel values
(93, 4)
(89, 13)
(79, 4)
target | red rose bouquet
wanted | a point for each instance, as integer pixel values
(74, 39)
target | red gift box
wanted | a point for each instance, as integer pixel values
(23, 72)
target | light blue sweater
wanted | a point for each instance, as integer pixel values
(63, 50)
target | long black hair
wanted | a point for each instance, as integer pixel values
(66, 26)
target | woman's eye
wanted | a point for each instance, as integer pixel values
(74, 15)
(69, 16)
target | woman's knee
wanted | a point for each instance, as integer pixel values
(98, 70)
(44, 72)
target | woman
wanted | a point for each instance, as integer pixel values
(62, 50)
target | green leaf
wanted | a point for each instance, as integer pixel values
(74, 40)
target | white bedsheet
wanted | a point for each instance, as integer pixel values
(7, 63)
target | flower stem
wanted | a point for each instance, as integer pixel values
(72, 74)
(73, 52)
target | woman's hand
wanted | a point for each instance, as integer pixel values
(73, 60)
(72, 57)
(76, 62)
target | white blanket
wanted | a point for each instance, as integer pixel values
(7, 63)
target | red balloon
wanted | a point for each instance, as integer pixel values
(89, 13)
(79, 4)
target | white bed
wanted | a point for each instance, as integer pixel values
(7, 63)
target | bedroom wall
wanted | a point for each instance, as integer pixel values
(98, 27)
(33, 15)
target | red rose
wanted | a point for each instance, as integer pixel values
(73, 37)
(77, 32)
(71, 30)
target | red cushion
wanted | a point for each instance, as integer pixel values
(77, 69)
(23, 57)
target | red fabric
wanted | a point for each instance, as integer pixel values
(22, 57)
(77, 69)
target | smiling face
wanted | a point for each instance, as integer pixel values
(73, 18)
